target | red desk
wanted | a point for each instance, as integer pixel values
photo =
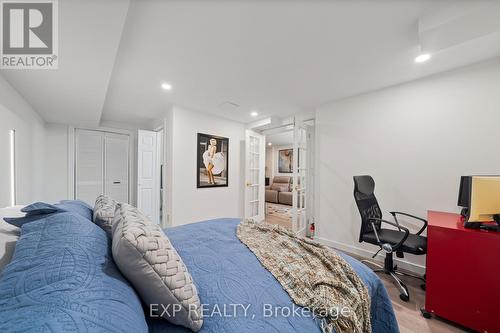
(463, 273)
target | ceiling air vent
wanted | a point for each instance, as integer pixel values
(228, 106)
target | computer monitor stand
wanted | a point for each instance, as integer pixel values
(479, 225)
(492, 227)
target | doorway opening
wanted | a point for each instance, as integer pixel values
(280, 175)
(278, 178)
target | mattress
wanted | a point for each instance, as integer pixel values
(9, 234)
(239, 295)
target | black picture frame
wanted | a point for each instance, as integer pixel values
(281, 168)
(202, 178)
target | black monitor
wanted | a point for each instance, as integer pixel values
(465, 191)
(479, 197)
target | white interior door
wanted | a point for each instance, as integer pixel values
(255, 151)
(89, 162)
(310, 167)
(160, 143)
(116, 169)
(302, 177)
(148, 199)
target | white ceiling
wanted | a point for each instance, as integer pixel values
(277, 57)
(89, 35)
(280, 139)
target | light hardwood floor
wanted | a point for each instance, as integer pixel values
(410, 319)
(408, 313)
(283, 220)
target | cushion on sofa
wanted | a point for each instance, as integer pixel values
(282, 179)
(272, 196)
(149, 261)
(285, 198)
(280, 187)
(62, 279)
(104, 212)
(281, 183)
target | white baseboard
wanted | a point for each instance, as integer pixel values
(404, 264)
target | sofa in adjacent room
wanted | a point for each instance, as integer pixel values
(280, 191)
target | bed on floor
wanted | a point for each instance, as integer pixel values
(227, 272)
(86, 293)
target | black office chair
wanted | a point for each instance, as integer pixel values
(390, 240)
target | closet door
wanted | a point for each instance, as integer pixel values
(89, 161)
(116, 166)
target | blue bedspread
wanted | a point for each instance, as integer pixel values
(62, 278)
(227, 273)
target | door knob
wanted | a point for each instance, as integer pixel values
(249, 184)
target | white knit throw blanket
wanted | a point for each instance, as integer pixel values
(313, 275)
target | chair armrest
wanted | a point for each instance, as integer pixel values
(396, 246)
(412, 216)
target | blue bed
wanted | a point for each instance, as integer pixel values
(227, 272)
(62, 278)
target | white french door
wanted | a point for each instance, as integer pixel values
(303, 177)
(255, 151)
(148, 189)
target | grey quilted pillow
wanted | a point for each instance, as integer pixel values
(104, 213)
(144, 254)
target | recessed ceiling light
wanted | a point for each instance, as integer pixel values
(269, 143)
(422, 58)
(254, 113)
(166, 86)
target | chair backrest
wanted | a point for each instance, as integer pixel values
(366, 201)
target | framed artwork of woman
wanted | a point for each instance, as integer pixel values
(285, 161)
(212, 161)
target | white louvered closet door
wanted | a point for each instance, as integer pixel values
(89, 162)
(101, 165)
(116, 171)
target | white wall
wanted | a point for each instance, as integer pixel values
(17, 114)
(188, 203)
(56, 163)
(415, 139)
(269, 163)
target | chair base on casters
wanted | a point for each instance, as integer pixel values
(390, 269)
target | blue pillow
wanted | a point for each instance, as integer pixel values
(77, 206)
(34, 212)
(79, 203)
(39, 210)
(62, 278)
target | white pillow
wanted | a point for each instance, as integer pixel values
(9, 234)
(104, 213)
(145, 256)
